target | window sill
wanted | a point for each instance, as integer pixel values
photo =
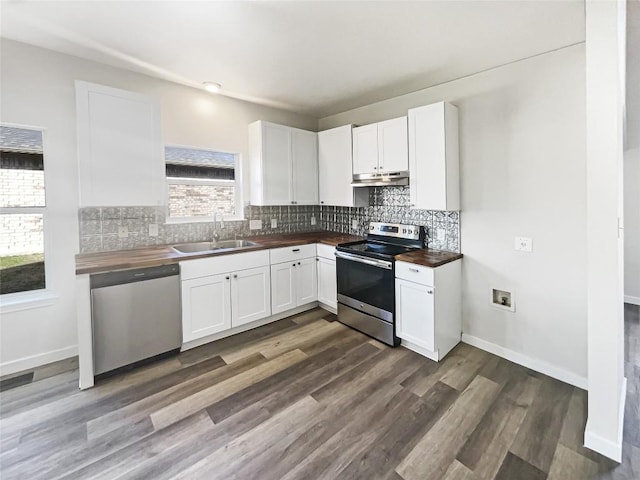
(16, 302)
(175, 220)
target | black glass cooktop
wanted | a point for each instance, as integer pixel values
(375, 248)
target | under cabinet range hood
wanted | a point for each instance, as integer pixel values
(389, 179)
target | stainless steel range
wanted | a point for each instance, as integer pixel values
(366, 278)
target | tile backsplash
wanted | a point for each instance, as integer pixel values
(99, 225)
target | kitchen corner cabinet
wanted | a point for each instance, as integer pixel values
(223, 293)
(429, 312)
(434, 169)
(335, 170)
(283, 165)
(327, 284)
(381, 147)
(294, 279)
(120, 156)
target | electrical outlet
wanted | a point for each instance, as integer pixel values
(153, 229)
(255, 224)
(123, 231)
(354, 224)
(441, 234)
(274, 223)
(313, 220)
(523, 244)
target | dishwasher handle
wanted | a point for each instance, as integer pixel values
(121, 277)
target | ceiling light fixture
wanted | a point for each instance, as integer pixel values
(212, 87)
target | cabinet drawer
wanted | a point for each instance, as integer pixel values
(415, 273)
(326, 251)
(288, 254)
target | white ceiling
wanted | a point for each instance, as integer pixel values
(318, 57)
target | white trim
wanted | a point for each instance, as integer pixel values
(604, 446)
(27, 363)
(632, 300)
(19, 301)
(526, 361)
(421, 350)
(248, 326)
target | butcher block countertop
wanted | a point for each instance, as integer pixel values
(163, 254)
(428, 257)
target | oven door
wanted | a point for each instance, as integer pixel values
(366, 284)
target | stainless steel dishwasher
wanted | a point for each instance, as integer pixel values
(135, 315)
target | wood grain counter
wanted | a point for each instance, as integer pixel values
(429, 258)
(164, 254)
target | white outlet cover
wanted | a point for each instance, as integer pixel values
(274, 223)
(123, 231)
(313, 220)
(441, 234)
(255, 224)
(354, 224)
(153, 229)
(523, 244)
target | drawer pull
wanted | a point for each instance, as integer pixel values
(295, 250)
(430, 292)
(414, 270)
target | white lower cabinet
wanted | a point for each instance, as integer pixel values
(223, 293)
(206, 306)
(327, 284)
(428, 308)
(293, 284)
(250, 296)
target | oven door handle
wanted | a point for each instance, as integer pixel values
(369, 261)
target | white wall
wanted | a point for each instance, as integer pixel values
(605, 55)
(523, 173)
(37, 88)
(632, 159)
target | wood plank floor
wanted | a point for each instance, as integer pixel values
(307, 398)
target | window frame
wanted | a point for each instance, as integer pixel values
(237, 183)
(28, 299)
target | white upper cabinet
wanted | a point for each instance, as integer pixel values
(335, 169)
(304, 149)
(120, 159)
(283, 165)
(381, 147)
(434, 171)
(392, 146)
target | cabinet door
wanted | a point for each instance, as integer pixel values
(119, 147)
(327, 288)
(276, 164)
(433, 157)
(283, 296)
(250, 295)
(304, 155)
(415, 313)
(335, 167)
(392, 145)
(306, 286)
(206, 307)
(365, 149)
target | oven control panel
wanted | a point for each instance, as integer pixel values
(411, 232)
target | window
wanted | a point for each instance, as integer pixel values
(202, 183)
(22, 210)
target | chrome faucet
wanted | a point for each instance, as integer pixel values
(216, 234)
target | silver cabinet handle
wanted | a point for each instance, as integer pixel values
(414, 270)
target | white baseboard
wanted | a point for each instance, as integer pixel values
(421, 350)
(604, 446)
(632, 300)
(27, 363)
(526, 361)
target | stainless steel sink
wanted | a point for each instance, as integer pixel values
(196, 247)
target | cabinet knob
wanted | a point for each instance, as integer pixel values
(226, 278)
(235, 276)
(413, 204)
(375, 168)
(430, 292)
(294, 264)
(321, 202)
(298, 263)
